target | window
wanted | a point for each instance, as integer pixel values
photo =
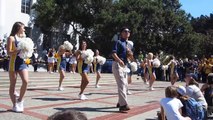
(26, 6)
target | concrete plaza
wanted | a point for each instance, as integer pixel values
(42, 98)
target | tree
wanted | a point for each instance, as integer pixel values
(155, 24)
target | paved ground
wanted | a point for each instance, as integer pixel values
(42, 98)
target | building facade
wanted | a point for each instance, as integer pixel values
(12, 11)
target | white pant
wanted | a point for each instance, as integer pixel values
(121, 79)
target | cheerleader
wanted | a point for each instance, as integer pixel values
(51, 61)
(173, 70)
(16, 66)
(130, 59)
(83, 69)
(61, 65)
(151, 71)
(97, 68)
(144, 66)
(73, 63)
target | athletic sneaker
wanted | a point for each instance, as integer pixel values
(151, 88)
(128, 92)
(82, 97)
(60, 89)
(147, 83)
(16, 94)
(97, 86)
(19, 107)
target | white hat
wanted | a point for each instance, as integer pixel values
(181, 90)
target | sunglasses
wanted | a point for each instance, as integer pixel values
(126, 31)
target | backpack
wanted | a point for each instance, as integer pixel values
(193, 109)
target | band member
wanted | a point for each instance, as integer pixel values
(119, 54)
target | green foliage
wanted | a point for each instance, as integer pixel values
(203, 25)
(155, 24)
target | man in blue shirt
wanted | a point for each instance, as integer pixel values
(119, 54)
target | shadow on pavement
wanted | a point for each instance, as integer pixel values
(102, 93)
(43, 89)
(86, 109)
(52, 99)
(150, 119)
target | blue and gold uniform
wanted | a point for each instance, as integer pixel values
(97, 66)
(61, 64)
(16, 63)
(82, 67)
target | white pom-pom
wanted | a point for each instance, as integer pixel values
(90, 52)
(101, 60)
(165, 67)
(88, 60)
(25, 46)
(126, 70)
(130, 44)
(134, 66)
(156, 63)
(68, 45)
(87, 55)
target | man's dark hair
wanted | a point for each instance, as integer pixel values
(68, 115)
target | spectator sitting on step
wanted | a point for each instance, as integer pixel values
(171, 106)
(193, 90)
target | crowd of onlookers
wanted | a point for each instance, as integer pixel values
(200, 67)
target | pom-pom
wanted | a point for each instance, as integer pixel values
(156, 63)
(134, 66)
(87, 55)
(130, 44)
(68, 45)
(101, 60)
(88, 60)
(25, 46)
(126, 70)
(165, 67)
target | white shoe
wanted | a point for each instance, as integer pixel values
(82, 97)
(147, 83)
(97, 86)
(151, 88)
(14, 109)
(128, 92)
(19, 107)
(60, 89)
(16, 94)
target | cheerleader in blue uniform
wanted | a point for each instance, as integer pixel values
(61, 65)
(16, 65)
(97, 68)
(83, 69)
(173, 70)
(151, 71)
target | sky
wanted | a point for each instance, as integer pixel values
(197, 7)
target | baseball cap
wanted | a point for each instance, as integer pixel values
(181, 90)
